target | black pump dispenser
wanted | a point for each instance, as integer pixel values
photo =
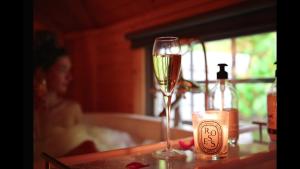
(222, 74)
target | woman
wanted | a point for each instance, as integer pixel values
(58, 126)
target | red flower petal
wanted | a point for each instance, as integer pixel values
(185, 146)
(136, 165)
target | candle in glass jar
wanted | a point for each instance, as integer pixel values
(211, 134)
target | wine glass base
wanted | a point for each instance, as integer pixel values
(169, 154)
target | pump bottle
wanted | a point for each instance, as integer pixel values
(223, 97)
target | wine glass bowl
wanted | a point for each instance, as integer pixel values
(167, 65)
(166, 61)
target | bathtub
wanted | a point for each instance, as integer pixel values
(138, 126)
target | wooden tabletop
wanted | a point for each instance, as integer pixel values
(247, 154)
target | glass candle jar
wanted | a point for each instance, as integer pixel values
(210, 129)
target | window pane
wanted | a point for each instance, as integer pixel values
(193, 65)
(256, 56)
(253, 101)
(218, 52)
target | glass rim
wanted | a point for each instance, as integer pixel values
(166, 38)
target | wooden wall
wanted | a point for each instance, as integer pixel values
(109, 76)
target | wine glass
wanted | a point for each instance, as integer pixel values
(167, 65)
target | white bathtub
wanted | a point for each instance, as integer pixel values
(143, 127)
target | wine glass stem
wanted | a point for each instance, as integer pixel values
(167, 100)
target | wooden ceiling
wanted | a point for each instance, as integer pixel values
(78, 15)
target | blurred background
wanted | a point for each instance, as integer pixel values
(110, 44)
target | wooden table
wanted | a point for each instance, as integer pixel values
(246, 155)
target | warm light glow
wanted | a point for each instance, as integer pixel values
(211, 134)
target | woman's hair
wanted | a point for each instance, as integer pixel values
(46, 50)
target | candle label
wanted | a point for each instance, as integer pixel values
(210, 137)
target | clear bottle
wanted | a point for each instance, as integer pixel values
(223, 96)
(272, 110)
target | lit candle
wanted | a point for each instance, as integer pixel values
(211, 134)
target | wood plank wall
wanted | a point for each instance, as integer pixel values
(109, 76)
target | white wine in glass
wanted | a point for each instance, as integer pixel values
(167, 66)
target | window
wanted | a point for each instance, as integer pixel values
(251, 69)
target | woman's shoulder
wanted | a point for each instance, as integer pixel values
(72, 105)
(72, 112)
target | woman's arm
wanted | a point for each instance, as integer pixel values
(73, 114)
